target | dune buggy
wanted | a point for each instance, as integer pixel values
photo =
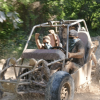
(36, 78)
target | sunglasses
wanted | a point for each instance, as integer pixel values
(71, 37)
(45, 42)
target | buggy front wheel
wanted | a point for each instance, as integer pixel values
(60, 87)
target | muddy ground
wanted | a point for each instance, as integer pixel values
(89, 91)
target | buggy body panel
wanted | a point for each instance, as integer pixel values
(46, 54)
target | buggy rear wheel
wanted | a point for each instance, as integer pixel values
(60, 87)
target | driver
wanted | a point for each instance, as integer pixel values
(63, 33)
(76, 52)
(46, 41)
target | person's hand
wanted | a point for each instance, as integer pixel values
(69, 55)
(37, 35)
(52, 31)
(63, 25)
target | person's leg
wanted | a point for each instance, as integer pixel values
(55, 67)
(71, 66)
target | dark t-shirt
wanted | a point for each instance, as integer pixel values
(78, 45)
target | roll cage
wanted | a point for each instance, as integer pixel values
(66, 23)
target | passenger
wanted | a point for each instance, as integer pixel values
(46, 41)
(76, 52)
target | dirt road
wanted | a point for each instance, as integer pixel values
(78, 96)
(85, 92)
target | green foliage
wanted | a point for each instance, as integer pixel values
(38, 11)
(14, 45)
(26, 2)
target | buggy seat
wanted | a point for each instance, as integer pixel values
(52, 41)
(85, 37)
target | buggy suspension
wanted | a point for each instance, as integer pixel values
(18, 82)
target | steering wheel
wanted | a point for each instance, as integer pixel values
(60, 48)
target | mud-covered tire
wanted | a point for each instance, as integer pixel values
(1, 94)
(60, 87)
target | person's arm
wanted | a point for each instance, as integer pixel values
(79, 54)
(39, 45)
(55, 37)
